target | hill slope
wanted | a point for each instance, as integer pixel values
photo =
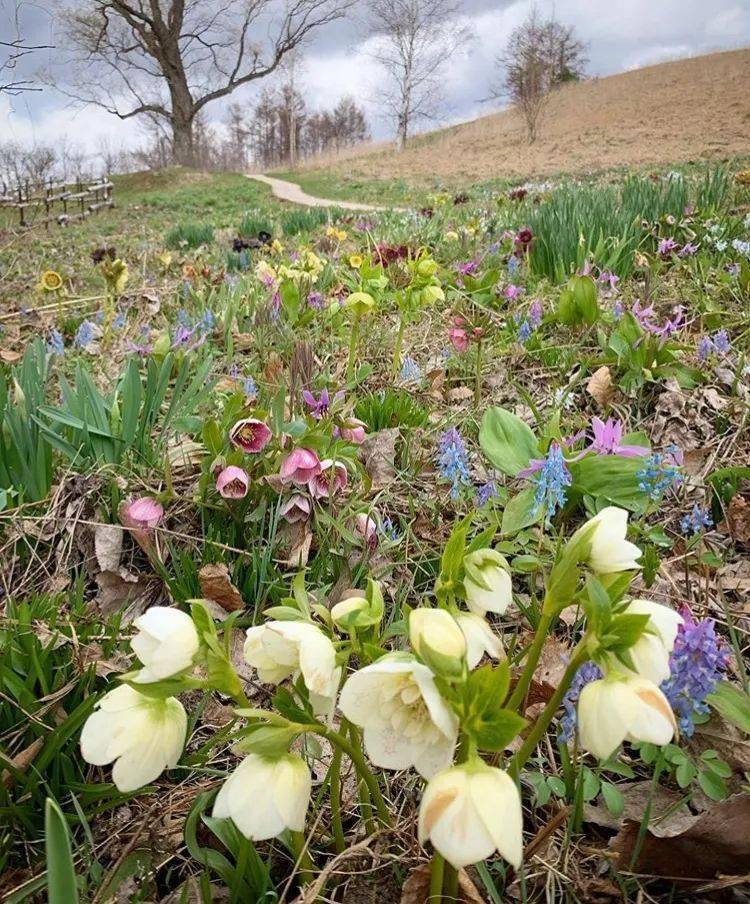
(692, 109)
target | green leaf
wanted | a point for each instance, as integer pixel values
(733, 703)
(521, 512)
(712, 785)
(613, 799)
(61, 877)
(507, 441)
(685, 773)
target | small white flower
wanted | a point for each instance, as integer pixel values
(650, 653)
(283, 649)
(405, 720)
(264, 796)
(480, 638)
(610, 551)
(487, 583)
(166, 643)
(141, 735)
(623, 708)
(468, 812)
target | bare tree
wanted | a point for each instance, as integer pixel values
(415, 39)
(540, 56)
(170, 58)
(12, 52)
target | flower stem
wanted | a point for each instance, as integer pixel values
(303, 861)
(397, 346)
(518, 761)
(335, 784)
(450, 884)
(532, 660)
(352, 347)
(478, 379)
(437, 870)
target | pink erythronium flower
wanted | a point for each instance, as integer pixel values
(352, 430)
(458, 335)
(608, 439)
(250, 435)
(143, 513)
(233, 483)
(296, 509)
(331, 478)
(300, 466)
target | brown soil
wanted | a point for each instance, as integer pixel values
(690, 110)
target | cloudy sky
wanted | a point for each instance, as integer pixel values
(620, 35)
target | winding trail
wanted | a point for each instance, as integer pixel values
(290, 191)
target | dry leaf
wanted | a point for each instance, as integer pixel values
(21, 761)
(715, 843)
(737, 521)
(379, 454)
(216, 585)
(600, 387)
(460, 394)
(8, 356)
(295, 542)
(108, 546)
(130, 594)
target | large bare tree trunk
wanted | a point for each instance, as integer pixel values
(183, 146)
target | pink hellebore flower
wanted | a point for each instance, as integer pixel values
(143, 513)
(366, 527)
(250, 435)
(331, 478)
(233, 483)
(607, 439)
(458, 338)
(296, 509)
(299, 467)
(352, 431)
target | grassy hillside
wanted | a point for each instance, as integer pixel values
(691, 110)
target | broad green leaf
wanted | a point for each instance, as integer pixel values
(507, 441)
(61, 876)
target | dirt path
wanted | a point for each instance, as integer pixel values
(290, 191)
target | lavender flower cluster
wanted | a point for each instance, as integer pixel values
(453, 461)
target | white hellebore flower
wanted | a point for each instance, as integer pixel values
(623, 708)
(468, 812)
(264, 796)
(166, 643)
(480, 638)
(610, 551)
(143, 736)
(650, 653)
(437, 639)
(282, 649)
(487, 582)
(405, 720)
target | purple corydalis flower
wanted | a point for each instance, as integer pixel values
(320, 407)
(587, 673)
(608, 439)
(453, 460)
(536, 312)
(486, 492)
(513, 291)
(722, 345)
(316, 300)
(696, 665)
(698, 520)
(552, 478)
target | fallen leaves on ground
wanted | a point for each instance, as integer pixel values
(416, 888)
(715, 843)
(379, 455)
(600, 387)
(216, 585)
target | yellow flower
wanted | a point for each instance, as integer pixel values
(51, 281)
(276, 246)
(451, 236)
(333, 233)
(355, 260)
(165, 259)
(360, 303)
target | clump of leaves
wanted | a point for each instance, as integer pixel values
(390, 408)
(190, 235)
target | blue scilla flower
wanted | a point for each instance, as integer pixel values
(696, 664)
(587, 673)
(658, 474)
(524, 332)
(705, 348)
(453, 461)
(722, 345)
(120, 320)
(697, 521)
(55, 343)
(410, 371)
(513, 265)
(250, 387)
(84, 334)
(207, 321)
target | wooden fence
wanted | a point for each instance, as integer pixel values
(43, 203)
